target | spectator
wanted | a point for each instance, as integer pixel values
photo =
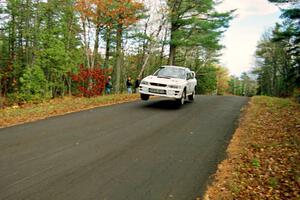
(129, 85)
(137, 85)
(108, 85)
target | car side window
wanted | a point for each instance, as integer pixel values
(189, 76)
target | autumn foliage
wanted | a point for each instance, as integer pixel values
(107, 13)
(90, 82)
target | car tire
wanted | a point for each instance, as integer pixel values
(145, 97)
(180, 101)
(192, 96)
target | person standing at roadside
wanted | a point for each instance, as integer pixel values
(129, 85)
(137, 85)
(108, 85)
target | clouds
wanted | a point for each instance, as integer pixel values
(246, 8)
(253, 18)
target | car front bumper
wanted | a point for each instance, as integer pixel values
(160, 91)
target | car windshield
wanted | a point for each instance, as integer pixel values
(170, 72)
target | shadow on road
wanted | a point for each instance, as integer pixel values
(165, 104)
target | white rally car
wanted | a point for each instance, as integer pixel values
(170, 81)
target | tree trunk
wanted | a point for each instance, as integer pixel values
(148, 52)
(172, 53)
(1, 100)
(36, 33)
(69, 80)
(185, 57)
(144, 66)
(175, 5)
(107, 48)
(162, 51)
(12, 38)
(27, 32)
(119, 58)
(144, 45)
(86, 44)
(274, 80)
(96, 47)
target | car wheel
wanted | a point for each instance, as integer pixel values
(192, 96)
(182, 99)
(145, 97)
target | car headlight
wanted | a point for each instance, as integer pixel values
(174, 86)
(145, 83)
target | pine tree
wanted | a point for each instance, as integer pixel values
(195, 24)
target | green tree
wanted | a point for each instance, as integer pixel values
(248, 85)
(288, 34)
(207, 80)
(245, 85)
(195, 24)
(33, 84)
(222, 80)
(38, 35)
(277, 62)
(57, 52)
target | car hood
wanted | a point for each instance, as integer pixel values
(168, 81)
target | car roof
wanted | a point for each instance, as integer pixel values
(173, 66)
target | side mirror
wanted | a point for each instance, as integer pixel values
(193, 75)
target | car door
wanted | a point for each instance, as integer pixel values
(194, 80)
(189, 83)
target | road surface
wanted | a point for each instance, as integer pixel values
(133, 151)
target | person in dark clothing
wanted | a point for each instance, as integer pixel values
(129, 85)
(108, 85)
(137, 85)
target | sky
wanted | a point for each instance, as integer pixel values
(253, 18)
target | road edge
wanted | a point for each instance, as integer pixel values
(14, 116)
(226, 154)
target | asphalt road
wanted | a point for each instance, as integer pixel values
(133, 151)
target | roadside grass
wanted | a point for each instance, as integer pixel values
(264, 154)
(59, 106)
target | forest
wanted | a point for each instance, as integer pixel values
(278, 54)
(57, 48)
(66, 47)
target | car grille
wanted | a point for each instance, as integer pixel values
(158, 84)
(157, 91)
